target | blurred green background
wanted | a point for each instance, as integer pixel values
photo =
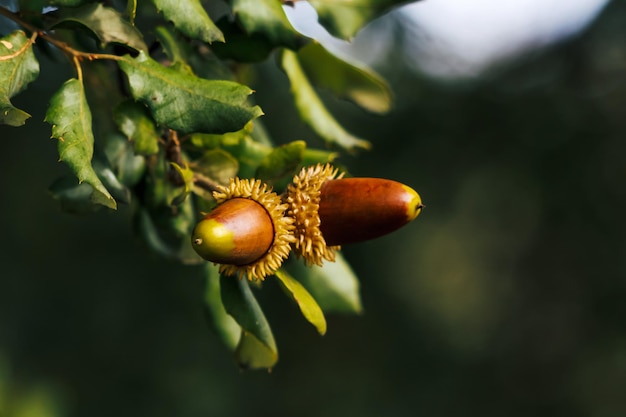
(506, 297)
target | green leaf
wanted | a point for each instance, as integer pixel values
(241, 304)
(149, 232)
(33, 8)
(134, 121)
(239, 45)
(267, 19)
(70, 3)
(317, 156)
(70, 118)
(224, 325)
(76, 198)
(129, 168)
(18, 68)
(218, 165)
(73, 198)
(363, 87)
(248, 152)
(211, 141)
(190, 57)
(312, 110)
(170, 44)
(104, 23)
(187, 103)
(156, 191)
(259, 27)
(190, 18)
(104, 171)
(260, 134)
(344, 19)
(167, 231)
(307, 304)
(281, 163)
(334, 285)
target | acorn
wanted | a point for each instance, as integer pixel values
(330, 211)
(237, 232)
(248, 233)
(358, 209)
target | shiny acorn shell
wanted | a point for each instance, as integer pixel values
(237, 232)
(358, 209)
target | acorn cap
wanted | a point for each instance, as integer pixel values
(247, 233)
(303, 198)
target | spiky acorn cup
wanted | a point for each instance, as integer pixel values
(247, 234)
(303, 196)
(330, 211)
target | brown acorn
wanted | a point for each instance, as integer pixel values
(247, 233)
(239, 231)
(358, 209)
(330, 211)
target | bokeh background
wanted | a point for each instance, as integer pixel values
(506, 297)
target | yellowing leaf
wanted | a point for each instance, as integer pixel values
(187, 177)
(70, 118)
(251, 353)
(131, 10)
(312, 110)
(307, 304)
(187, 103)
(334, 285)
(362, 86)
(18, 67)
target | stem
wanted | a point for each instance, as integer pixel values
(75, 54)
(205, 183)
(79, 70)
(173, 154)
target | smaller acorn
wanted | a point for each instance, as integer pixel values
(247, 233)
(238, 232)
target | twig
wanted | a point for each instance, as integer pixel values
(75, 54)
(205, 183)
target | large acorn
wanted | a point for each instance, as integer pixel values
(357, 209)
(330, 211)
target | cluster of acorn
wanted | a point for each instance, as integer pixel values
(252, 230)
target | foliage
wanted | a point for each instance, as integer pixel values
(176, 92)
